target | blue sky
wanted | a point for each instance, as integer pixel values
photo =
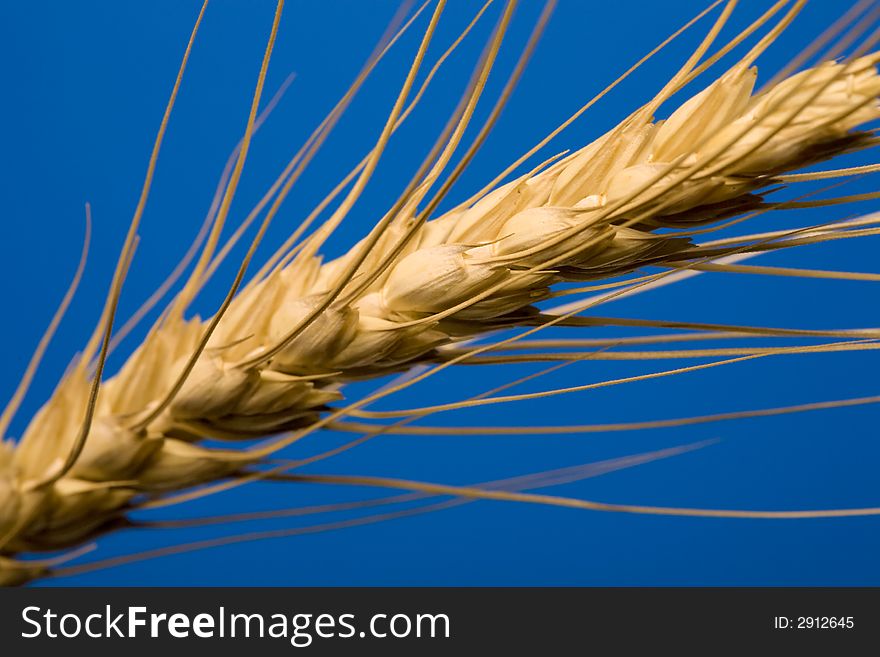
(86, 86)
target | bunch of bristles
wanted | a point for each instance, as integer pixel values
(273, 359)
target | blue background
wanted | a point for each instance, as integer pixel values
(86, 84)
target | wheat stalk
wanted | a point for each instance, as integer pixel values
(277, 354)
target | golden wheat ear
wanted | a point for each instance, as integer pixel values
(421, 293)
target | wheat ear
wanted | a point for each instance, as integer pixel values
(279, 352)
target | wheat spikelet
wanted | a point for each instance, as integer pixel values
(287, 343)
